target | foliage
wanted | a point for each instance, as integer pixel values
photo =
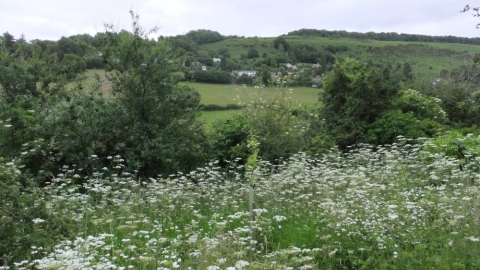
(252, 53)
(150, 119)
(24, 74)
(271, 117)
(26, 222)
(244, 79)
(420, 106)
(459, 93)
(71, 65)
(280, 132)
(229, 139)
(460, 144)
(354, 96)
(399, 207)
(156, 127)
(394, 123)
(305, 53)
(213, 76)
(203, 36)
(184, 43)
(390, 36)
(281, 41)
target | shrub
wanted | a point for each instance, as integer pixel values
(420, 106)
(213, 76)
(394, 123)
(244, 79)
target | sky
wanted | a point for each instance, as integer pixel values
(52, 19)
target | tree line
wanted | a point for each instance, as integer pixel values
(384, 36)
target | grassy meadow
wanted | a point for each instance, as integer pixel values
(400, 207)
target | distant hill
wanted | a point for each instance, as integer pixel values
(429, 57)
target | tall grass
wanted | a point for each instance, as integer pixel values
(399, 207)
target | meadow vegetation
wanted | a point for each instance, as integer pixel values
(135, 164)
(394, 207)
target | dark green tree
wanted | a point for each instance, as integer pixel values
(281, 40)
(72, 64)
(156, 118)
(354, 96)
(203, 36)
(252, 53)
(407, 71)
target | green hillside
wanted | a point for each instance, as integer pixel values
(426, 57)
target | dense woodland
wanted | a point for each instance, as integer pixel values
(54, 122)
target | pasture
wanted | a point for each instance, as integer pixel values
(225, 94)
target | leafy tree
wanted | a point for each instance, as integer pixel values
(224, 52)
(407, 71)
(265, 75)
(229, 139)
(354, 96)
(305, 53)
(281, 41)
(223, 64)
(155, 122)
(72, 64)
(184, 43)
(252, 53)
(203, 36)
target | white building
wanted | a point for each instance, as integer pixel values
(250, 73)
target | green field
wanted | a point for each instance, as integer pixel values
(224, 94)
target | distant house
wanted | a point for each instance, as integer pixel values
(217, 60)
(204, 68)
(317, 65)
(288, 65)
(250, 73)
(437, 81)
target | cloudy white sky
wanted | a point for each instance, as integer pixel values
(52, 19)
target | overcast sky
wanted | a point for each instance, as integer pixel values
(52, 19)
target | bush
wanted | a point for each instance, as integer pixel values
(420, 106)
(244, 79)
(394, 123)
(354, 96)
(229, 139)
(252, 53)
(215, 107)
(213, 76)
(72, 64)
(25, 219)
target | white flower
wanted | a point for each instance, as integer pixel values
(474, 239)
(241, 264)
(38, 220)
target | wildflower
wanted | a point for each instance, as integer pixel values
(38, 220)
(241, 264)
(474, 239)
